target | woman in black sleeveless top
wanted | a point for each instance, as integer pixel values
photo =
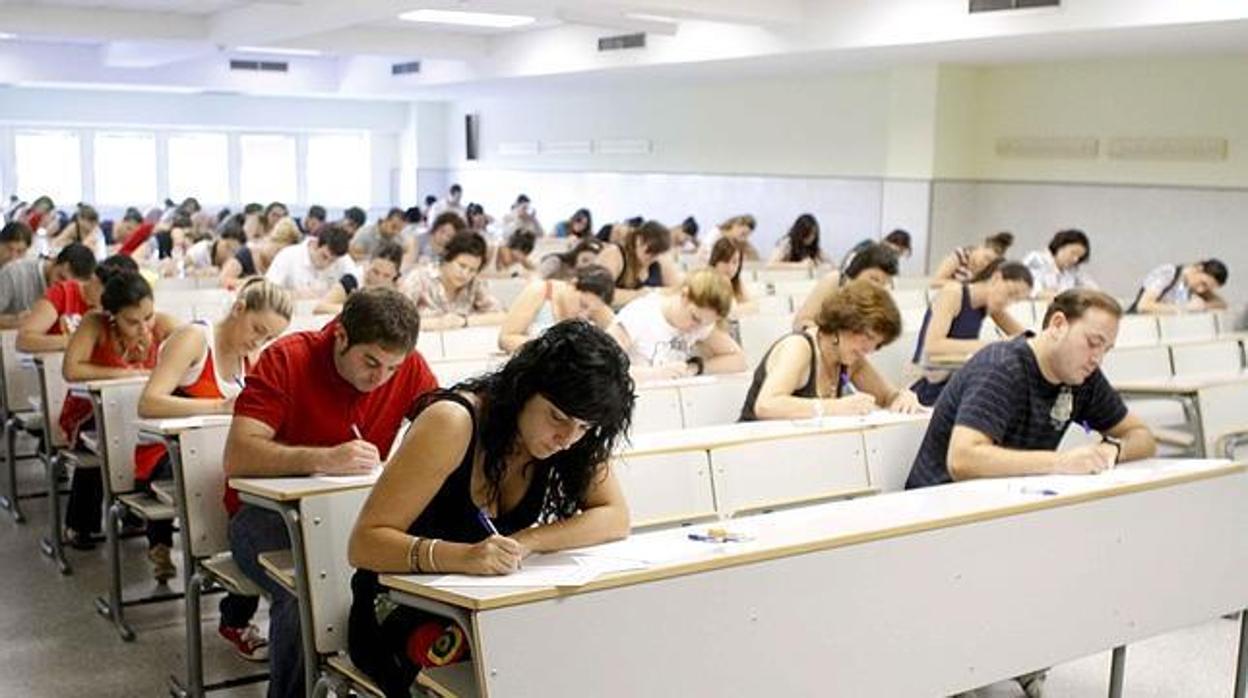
(824, 369)
(527, 445)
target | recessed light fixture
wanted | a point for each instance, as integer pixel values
(468, 19)
(5, 36)
(645, 17)
(278, 51)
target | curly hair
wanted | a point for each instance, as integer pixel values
(860, 307)
(584, 373)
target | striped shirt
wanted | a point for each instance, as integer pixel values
(1002, 394)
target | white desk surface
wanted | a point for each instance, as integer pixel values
(1188, 384)
(292, 489)
(177, 425)
(704, 438)
(691, 381)
(670, 553)
(96, 386)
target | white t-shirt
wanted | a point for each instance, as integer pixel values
(654, 341)
(292, 269)
(200, 254)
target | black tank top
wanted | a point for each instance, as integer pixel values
(808, 390)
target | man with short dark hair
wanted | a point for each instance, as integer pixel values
(1004, 413)
(364, 242)
(26, 280)
(310, 269)
(15, 240)
(313, 220)
(452, 203)
(353, 219)
(325, 402)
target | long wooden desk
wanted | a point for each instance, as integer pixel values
(1214, 405)
(916, 593)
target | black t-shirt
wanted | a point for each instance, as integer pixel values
(246, 260)
(1001, 393)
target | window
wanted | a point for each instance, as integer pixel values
(339, 170)
(267, 170)
(199, 166)
(125, 169)
(48, 163)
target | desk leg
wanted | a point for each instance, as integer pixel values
(11, 502)
(1197, 420)
(1241, 667)
(307, 631)
(51, 545)
(1117, 669)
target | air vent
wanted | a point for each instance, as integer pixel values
(260, 66)
(408, 68)
(621, 42)
(1000, 5)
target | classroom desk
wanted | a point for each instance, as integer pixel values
(283, 496)
(1214, 404)
(717, 436)
(917, 593)
(945, 362)
(201, 538)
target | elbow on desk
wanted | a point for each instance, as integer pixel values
(960, 466)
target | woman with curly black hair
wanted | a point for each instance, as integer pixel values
(527, 447)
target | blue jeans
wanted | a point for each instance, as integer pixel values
(254, 531)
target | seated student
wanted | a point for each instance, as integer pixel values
(312, 220)
(563, 265)
(543, 303)
(677, 332)
(208, 257)
(382, 271)
(527, 446)
(727, 258)
(119, 340)
(800, 246)
(25, 281)
(430, 247)
(274, 213)
(84, 228)
(685, 236)
(824, 369)
(201, 369)
(15, 240)
(454, 294)
(254, 258)
(133, 231)
(53, 318)
(579, 226)
(953, 320)
(365, 240)
(965, 262)
(639, 261)
(327, 402)
(1060, 267)
(479, 221)
(897, 240)
(1179, 288)
(738, 228)
(876, 263)
(308, 270)
(353, 219)
(522, 216)
(512, 259)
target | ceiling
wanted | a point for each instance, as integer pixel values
(180, 43)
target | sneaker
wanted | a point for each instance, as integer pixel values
(247, 642)
(77, 540)
(161, 557)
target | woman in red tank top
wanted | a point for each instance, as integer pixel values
(200, 370)
(119, 341)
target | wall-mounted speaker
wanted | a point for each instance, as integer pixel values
(472, 136)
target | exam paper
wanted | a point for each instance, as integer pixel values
(548, 570)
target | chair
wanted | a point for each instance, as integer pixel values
(19, 389)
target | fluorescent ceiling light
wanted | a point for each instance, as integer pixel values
(278, 51)
(107, 86)
(652, 18)
(5, 36)
(468, 19)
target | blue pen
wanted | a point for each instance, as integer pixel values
(846, 387)
(1036, 490)
(1086, 428)
(484, 518)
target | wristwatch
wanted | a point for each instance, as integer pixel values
(696, 363)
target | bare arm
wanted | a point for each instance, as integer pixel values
(945, 307)
(486, 319)
(810, 307)
(12, 322)
(721, 353)
(331, 303)
(32, 334)
(624, 295)
(1150, 303)
(231, 271)
(251, 451)
(78, 367)
(787, 370)
(669, 271)
(1008, 323)
(973, 455)
(870, 382)
(177, 355)
(603, 517)
(944, 273)
(515, 328)
(1137, 440)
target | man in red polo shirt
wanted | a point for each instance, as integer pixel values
(327, 402)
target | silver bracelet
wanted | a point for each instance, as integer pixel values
(433, 543)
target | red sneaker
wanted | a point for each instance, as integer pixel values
(247, 642)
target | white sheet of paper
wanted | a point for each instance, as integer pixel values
(548, 570)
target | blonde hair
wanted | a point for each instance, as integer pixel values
(744, 219)
(285, 232)
(258, 295)
(707, 288)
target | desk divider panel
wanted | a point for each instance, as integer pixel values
(890, 453)
(20, 383)
(120, 407)
(667, 488)
(1188, 326)
(657, 409)
(1207, 358)
(327, 522)
(203, 485)
(762, 474)
(718, 402)
(1137, 363)
(1137, 331)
